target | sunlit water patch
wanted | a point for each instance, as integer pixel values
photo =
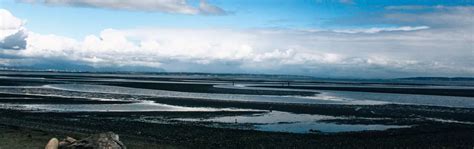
(434, 100)
(133, 107)
(376, 98)
(305, 127)
(131, 103)
(317, 99)
(288, 122)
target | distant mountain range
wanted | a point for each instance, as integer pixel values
(203, 74)
(163, 72)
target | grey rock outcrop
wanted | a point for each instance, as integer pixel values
(108, 140)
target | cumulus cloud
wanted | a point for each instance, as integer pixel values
(9, 22)
(14, 42)
(167, 6)
(372, 52)
(12, 34)
(259, 51)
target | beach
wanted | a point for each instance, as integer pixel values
(189, 111)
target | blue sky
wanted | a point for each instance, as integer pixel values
(245, 14)
(79, 22)
(316, 36)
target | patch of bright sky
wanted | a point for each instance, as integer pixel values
(300, 14)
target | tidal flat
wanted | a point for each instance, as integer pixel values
(176, 110)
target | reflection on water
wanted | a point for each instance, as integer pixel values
(136, 107)
(318, 99)
(326, 97)
(263, 118)
(270, 121)
(305, 127)
(289, 122)
(446, 101)
(353, 97)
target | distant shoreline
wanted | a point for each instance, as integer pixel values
(405, 90)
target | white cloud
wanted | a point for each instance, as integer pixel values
(256, 50)
(12, 33)
(207, 9)
(9, 22)
(15, 41)
(167, 6)
(372, 52)
(39, 45)
(382, 29)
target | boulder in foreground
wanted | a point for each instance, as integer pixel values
(108, 140)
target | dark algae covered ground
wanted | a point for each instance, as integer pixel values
(41, 127)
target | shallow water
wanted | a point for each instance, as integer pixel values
(365, 98)
(267, 121)
(308, 127)
(272, 121)
(133, 107)
(325, 97)
(289, 122)
(433, 100)
(317, 99)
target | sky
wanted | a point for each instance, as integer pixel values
(321, 38)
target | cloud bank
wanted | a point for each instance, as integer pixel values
(422, 48)
(12, 33)
(167, 6)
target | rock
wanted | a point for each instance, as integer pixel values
(107, 140)
(63, 144)
(70, 140)
(52, 144)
